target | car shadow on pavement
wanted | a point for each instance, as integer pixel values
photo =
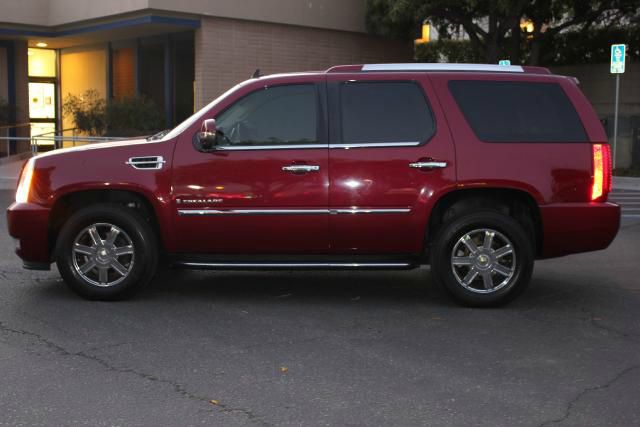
(376, 288)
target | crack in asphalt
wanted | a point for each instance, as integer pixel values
(586, 391)
(176, 386)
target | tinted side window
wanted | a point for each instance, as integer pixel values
(518, 111)
(384, 112)
(278, 115)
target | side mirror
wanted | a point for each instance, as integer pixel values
(208, 135)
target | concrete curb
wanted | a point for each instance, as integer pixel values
(626, 183)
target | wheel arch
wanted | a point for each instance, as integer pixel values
(517, 203)
(66, 204)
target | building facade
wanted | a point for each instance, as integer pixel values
(180, 55)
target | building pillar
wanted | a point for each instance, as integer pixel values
(168, 82)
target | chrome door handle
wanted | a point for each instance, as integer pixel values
(428, 165)
(301, 168)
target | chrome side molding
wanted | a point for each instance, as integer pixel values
(217, 212)
(345, 211)
(368, 211)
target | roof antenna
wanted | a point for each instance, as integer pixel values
(257, 73)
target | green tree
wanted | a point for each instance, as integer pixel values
(493, 26)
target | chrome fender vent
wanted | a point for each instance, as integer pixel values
(146, 162)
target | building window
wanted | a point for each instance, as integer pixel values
(123, 72)
(42, 63)
(42, 70)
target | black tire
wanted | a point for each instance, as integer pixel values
(466, 224)
(141, 264)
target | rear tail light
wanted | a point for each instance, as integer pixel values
(601, 185)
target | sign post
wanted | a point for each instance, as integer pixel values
(618, 52)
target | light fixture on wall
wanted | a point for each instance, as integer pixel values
(425, 33)
(527, 27)
(41, 44)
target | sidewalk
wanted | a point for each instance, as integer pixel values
(626, 183)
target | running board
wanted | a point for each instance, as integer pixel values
(292, 265)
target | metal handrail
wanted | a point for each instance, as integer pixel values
(57, 140)
(17, 125)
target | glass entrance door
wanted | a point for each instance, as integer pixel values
(42, 97)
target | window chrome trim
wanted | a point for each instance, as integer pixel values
(377, 144)
(342, 211)
(311, 146)
(270, 147)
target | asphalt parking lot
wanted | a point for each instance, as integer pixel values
(324, 348)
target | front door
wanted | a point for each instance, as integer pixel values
(265, 187)
(391, 156)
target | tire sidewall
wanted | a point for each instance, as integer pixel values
(130, 222)
(441, 257)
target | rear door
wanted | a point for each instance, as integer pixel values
(390, 157)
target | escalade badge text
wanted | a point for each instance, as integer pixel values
(198, 201)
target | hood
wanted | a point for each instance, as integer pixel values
(95, 146)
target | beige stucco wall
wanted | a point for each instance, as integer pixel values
(82, 69)
(31, 12)
(228, 51)
(345, 15)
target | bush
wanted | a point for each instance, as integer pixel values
(122, 117)
(88, 112)
(133, 116)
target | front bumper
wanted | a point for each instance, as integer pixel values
(570, 228)
(28, 223)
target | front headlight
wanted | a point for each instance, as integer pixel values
(24, 185)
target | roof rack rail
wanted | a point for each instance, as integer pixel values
(443, 67)
(417, 66)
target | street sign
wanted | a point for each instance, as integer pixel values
(617, 58)
(504, 62)
(618, 52)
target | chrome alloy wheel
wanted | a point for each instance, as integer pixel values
(103, 254)
(483, 261)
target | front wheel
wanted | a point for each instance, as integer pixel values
(106, 252)
(483, 259)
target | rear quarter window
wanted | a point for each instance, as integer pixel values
(500, 111)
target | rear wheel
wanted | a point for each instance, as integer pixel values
(106, 252)
(482, 259)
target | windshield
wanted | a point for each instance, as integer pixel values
(198, 115)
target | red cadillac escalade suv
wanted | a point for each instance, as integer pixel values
(477, 170)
